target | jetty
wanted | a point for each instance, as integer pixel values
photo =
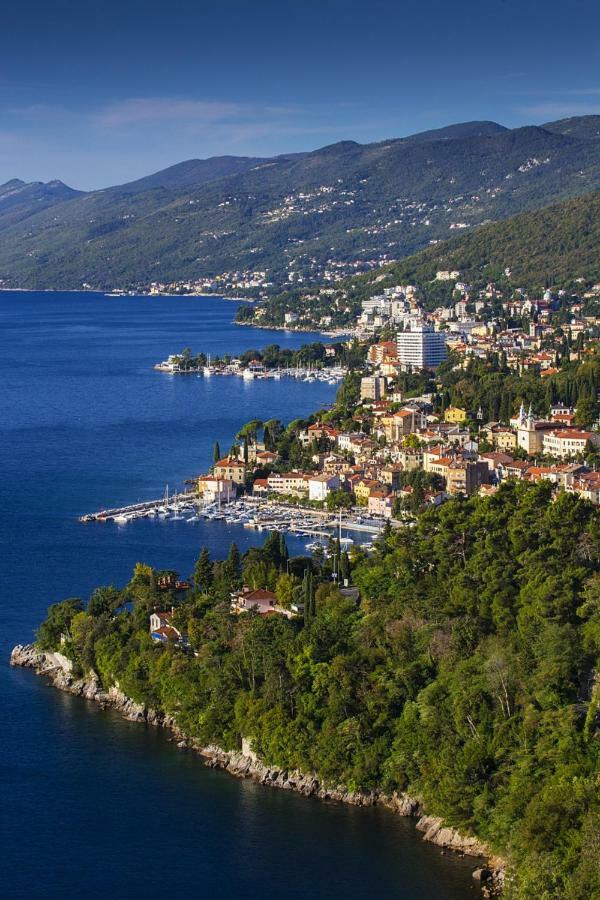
(140, 510)
(251, 512)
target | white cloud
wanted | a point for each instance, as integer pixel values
(155, 110)
(558, 110)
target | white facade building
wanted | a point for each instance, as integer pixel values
(319, 486)
(421, 348)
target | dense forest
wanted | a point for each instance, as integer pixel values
(465, 674)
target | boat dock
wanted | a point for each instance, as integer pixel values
(173, 366)
(137, 510)
(251, 512)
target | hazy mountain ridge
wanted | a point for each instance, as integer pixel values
(294, 212)
(19, 199)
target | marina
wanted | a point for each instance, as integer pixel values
(174, 365)
(258, 514)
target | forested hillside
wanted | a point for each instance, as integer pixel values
(551, 247)
(554, 247)
(466, 674)
(301, 215)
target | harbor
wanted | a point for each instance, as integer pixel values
(174, 365)
(259, 514)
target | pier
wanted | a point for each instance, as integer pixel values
(251, 512)
(137, 510)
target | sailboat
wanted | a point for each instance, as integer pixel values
(344, 541)
(175, 508)
(163, 510)
(207, 368)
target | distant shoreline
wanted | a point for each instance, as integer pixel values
(113, 293)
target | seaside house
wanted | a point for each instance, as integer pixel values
(295, 483)
(214, 488)
(258, 600)
(380, 504)
(266, 458)
(260, 486)
(231, 469)
(363, 490)
(319, 486)
(162, 629)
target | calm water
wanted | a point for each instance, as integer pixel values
(91, 805)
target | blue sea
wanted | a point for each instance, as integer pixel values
(93, 806)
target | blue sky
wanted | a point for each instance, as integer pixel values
(97, 92)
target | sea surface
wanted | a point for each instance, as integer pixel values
(92, 806)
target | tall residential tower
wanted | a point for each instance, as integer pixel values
(421, 348)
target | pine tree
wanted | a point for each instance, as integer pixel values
(203, 571)
(233, 558)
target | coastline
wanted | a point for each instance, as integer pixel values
(300, 330)
(244, 763)
(110, 292)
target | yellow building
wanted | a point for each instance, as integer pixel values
(504, 439)
(362, 490)
(231, 469)
(456, 415)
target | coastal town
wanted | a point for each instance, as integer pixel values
(433, 404)
(421, 430)
(301, 458)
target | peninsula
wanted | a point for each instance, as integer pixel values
(448, 672)
(455, 670)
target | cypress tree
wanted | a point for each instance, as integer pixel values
(344, 566)
(283, 551)
(203, 571)
(216, 452)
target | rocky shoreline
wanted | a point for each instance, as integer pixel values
(244, 763)
(300, 329)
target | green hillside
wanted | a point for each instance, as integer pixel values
(551, 246)
(556, 246)
(299, 214)
(466, 675)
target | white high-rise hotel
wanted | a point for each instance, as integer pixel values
(421, 348)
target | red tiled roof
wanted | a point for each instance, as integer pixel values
(170, 633)
(577, 435)
(259, 594)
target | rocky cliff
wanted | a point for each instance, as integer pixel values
(244, 763)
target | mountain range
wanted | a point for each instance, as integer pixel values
(295, 216)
